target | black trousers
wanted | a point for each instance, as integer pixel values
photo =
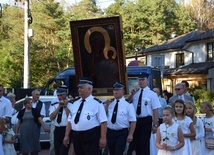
(141, 138)
(59, 147)
(87, 142)
(116, 140)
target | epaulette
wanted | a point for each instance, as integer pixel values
(128, 101)
(74, 100)
(98, 100)
(54, 103)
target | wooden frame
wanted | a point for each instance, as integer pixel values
(99, 52)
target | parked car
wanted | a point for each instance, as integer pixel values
(44, 137)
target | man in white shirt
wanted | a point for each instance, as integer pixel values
(59, 112)
(146, 104)
(5, 105)
(88, 121)
(121, 121)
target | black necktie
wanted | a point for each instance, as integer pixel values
(76, 120)
(139, 103)
(59, 118)
(114, 115)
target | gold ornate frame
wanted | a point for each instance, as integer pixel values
(99, 52)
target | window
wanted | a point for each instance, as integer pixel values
(158, 60)
(179, 60)
(210, 51)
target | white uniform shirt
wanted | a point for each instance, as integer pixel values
(125, 114)
(64, 119)
(149, 102)
(42, 111)
(92, 114)
(5, 107)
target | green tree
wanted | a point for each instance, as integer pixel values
(202, 11)
(85, 9)
(11, 44)
(202, 94)
(150, 22)
(50, 46)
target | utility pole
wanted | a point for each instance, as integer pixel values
(26, 47)
(0, 10)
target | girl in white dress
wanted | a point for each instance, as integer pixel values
(8, 139)
(169, 136)
(186, 125)
(208, 120)
(196, 142)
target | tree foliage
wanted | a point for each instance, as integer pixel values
(202, 94)
(145, 23)
(202, 11)
(150, 22)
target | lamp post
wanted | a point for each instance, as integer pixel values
(26, 47)
(0, 10)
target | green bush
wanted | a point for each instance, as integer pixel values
(202, 94)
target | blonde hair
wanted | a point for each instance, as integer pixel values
(170, 109)
(208, 105)
(193, 105)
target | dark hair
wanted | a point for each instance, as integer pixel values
(184, 109)
(26, 101)
(185, 82)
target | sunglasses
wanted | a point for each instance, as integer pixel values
(178, 88)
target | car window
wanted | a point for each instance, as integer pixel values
(47, 105)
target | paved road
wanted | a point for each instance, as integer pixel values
(45, 149)
(44, 152)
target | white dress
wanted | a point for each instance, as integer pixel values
(197, 143)
(8, 147)
(153, 148)
(1, 148)
(169, 136)
(184, 124)
(209, 123)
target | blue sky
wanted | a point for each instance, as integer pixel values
(102, 3)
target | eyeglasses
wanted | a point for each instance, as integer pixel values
(178, 88)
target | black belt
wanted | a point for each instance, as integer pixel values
(139, 118)
(60, 126)
(118, 130)
(85, 131)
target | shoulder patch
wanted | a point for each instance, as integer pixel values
(54, 103)
(97, 100)
(74, 100)
(128, 101)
